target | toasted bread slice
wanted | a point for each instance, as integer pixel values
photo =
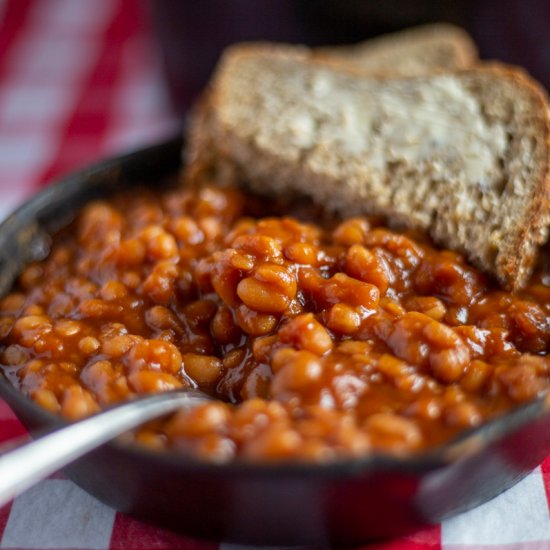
(463, 155)
(415, 51)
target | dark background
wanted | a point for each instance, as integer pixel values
(192, 33)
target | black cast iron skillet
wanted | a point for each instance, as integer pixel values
(347, 502)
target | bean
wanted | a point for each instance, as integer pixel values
(203, 369)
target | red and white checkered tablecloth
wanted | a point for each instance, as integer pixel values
(79, 80)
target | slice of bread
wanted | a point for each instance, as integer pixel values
(464, 155)
(415, 51)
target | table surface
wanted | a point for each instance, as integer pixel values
(80, 80)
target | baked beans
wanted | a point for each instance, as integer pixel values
(321, 338)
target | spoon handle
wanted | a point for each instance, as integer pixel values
(24, 466)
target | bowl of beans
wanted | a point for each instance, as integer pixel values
(366, 382)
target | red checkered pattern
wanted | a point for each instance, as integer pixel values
(79, 80)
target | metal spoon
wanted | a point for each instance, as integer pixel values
(22, 467)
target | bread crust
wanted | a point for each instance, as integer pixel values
(413, 51)
(516, 262)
